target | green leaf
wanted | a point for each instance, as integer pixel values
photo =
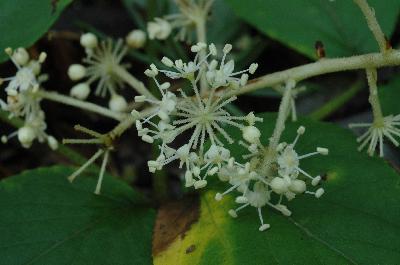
(25, 21)
(356, 221)
(47, 220)
(340, 25)
(389, 96)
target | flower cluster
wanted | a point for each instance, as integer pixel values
(23, 100)
(388, 127)
(191, 13)
(202, 115)
(263, 176)
(103, 60)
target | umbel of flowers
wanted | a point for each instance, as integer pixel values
(197, 117)
(23, 100)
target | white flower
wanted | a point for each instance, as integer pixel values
(289, 161)
(159, 29)
(23, 101)
(224, 75)
(102, 61)
(258, 179)
(26, 75)
(388, 127)
(191, 13)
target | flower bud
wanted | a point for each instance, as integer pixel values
(251, 134)
(76, 72)
(21, 56)
(80, 91)
(159, 29)
(52, 142)
(89, 40)
(297, 186)
(136, 39)
(117, 103)
(26, 135)
(279, 185)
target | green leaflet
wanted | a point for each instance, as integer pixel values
(47, 220)
(339, 24)
(389, 96)
(25, 21)
(356, 221)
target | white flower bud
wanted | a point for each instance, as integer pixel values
(4, 139)
(76, 72)
(218, 196)
(323, 151)
(264, 227)
(213, 171)
(136, 39)
(26, 135)
(167, 62)
(80, 91)
(89, 40)
(241, 199)
(316, 180)
(227, 48)
(150, 73)
(301, 130)
(139, 126)
(251, 134)
(189, 181)
(42, 57)
(117, 103)
(153, 67)
(232, 213)
(253, 67)
(319, 192)
(200, 184)
(140, 99)
(35, 67)
(279, 185)
(198, 47)
(135, 114)
(52, 142)
(21, 56)
(159, 29)
(179, 64)
(213, 49)
(148, 139)
(243, 79)
(297, 186)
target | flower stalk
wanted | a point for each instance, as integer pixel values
(373, 24)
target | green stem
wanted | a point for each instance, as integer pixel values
(373, 95)
(373, 24)
(202, 37)
(66, 100)
(282, 115)
(337, 102)
(134, 82)
(325, 66)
